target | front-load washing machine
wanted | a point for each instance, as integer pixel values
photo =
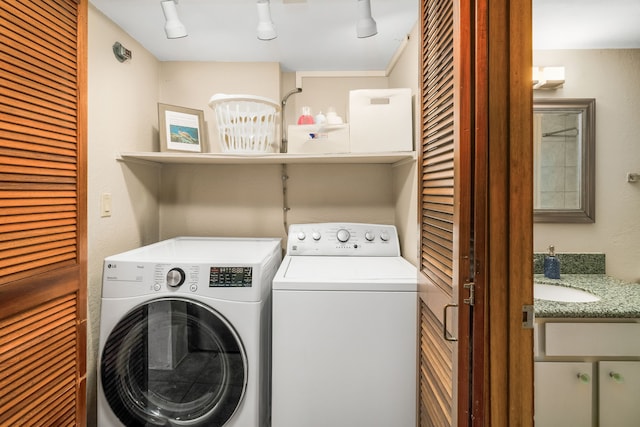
(185, 333)
(344, 329)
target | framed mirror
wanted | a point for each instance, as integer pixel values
(564, 160)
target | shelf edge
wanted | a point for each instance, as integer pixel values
(275, 158)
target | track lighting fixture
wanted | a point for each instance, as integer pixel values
(173, 27)
(366, 26)
(266, 30)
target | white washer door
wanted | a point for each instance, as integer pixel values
(172, 362)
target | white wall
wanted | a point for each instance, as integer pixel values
(612, 78)
(122, 117)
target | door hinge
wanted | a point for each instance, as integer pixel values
(472, 293)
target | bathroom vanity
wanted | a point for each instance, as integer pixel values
(587, 355)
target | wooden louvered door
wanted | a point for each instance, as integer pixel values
(42, 212)
(446, 212)
(476, 192)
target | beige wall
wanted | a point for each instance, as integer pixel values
(406, 73)
(122, 117)
(218, 200)
(246, 200)
(152, 202)
(611, 77)
(191, 85)
(320, 93)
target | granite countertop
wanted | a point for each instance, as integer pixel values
(618, 299)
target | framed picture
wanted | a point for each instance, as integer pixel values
(181, 129)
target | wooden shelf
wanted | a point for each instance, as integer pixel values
(267, 158)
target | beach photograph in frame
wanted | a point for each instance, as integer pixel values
(181, 129)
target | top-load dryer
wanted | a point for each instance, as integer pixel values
(344, 329)
(184, 333)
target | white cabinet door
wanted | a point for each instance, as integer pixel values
(619, 394)
(563, 394)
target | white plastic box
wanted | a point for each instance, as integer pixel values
(380, 120)
(315, 139)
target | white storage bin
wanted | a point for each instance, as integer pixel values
(380, 120)
(326, 139)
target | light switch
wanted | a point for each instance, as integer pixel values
(105, 205)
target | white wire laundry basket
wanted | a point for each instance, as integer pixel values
(246, 123)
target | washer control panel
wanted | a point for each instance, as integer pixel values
(343, 239)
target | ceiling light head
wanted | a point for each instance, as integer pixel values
(173, 28)
(266, 29)
(366, 25)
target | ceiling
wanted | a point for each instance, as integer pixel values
(319, 35)
(313, 35)
(586, 24)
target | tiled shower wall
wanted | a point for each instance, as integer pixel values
(557, 184)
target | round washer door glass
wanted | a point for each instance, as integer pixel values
(173, 362)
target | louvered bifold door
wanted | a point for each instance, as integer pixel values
(444, 205)
(42, 212)
(38, 131)
(437, 157)
(38, 347)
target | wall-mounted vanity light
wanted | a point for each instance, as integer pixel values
(173, 28)
(548, 77)
(266, 29)
(366, 26)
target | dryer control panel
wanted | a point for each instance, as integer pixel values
(343, 239)
(222, 277)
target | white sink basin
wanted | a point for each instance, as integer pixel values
(562, 293)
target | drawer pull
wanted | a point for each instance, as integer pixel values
(584, 378)
(615, 376)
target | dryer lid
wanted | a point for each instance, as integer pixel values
(346, 273)
(204, 249)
